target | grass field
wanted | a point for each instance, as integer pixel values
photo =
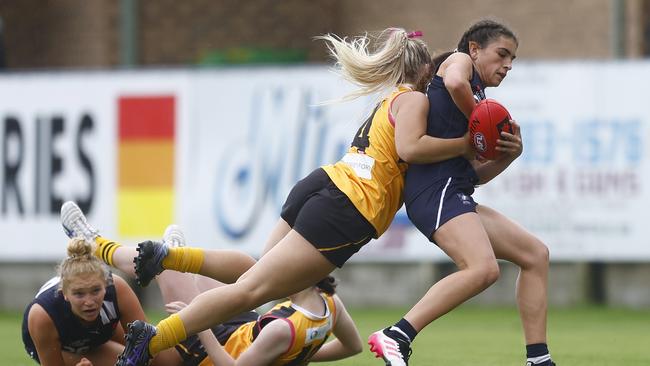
(586, 336)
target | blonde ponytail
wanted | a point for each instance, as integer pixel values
(397, 58)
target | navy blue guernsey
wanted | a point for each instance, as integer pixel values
(444, 120)
(75, 337)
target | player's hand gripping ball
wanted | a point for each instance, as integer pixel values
(486, 122)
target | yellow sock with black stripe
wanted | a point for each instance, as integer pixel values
(169, 332)
(105, 250)
(184, 259)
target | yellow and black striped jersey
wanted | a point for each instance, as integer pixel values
(371, 174)
(308, 331)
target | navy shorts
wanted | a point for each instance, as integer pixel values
(439, 203)
(326, 217)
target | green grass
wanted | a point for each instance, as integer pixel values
(473, 336)
(492, 336)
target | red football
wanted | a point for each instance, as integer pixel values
(486, 122)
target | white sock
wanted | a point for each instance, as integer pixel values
(539, 359)
(400, 332)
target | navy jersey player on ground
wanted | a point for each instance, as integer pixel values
(329, 215)
(78, 318)
(439, 202)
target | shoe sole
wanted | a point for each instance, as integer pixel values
(122, 360)
(144, 253)
(69, 212)
(375, 347)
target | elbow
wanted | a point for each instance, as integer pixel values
(453, 84)
(357, 347)
(483, 180)
(351, 346)
(408, 154)
(357, 350)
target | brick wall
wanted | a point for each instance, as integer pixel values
(62, 33)
(553, 29)
(174, 32)
(78, 33)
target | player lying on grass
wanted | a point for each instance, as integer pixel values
(78, 318)
(293, 332)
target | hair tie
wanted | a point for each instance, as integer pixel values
(414, 34)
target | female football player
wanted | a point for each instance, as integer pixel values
(295, 331)
(79, 317)
(329, 215)
(439, 202)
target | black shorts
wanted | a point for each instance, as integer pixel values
(440, 203)
(326, 217)
(223, 331)
(191, 349)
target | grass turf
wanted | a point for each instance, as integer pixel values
(592, 336)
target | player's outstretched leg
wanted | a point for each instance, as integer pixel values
(74, 223)
(390, 345)
(148, 263)
(136, 344)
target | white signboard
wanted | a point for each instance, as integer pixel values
(244, 136)
(582, 183)
(58, 142)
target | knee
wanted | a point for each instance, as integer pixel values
(487, 274)
(492, 273)
(251, 294)
(537, 256)
(544, 255)
(239, 297)
(243, 296)
(246, 300)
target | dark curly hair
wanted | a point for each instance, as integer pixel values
(481, 32)
(327, 285)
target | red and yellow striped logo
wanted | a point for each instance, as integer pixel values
(145, 165)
